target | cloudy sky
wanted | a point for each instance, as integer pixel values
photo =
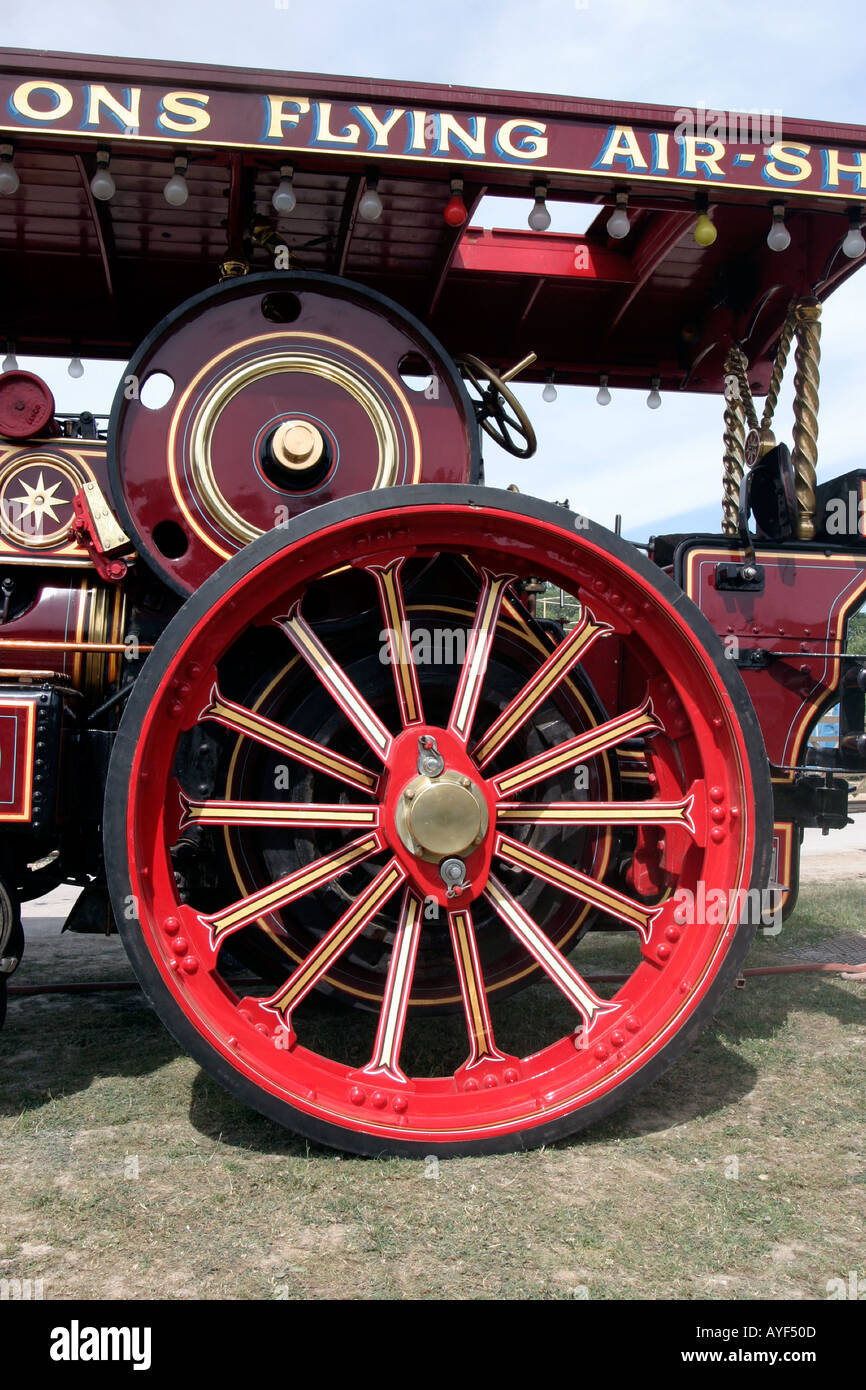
(660, 469)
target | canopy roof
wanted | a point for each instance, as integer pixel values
(94, 277)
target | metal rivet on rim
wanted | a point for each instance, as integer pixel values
(672, 933)
(379, 1099)
(189, 964)
(399, 1103)
(511, 1075)
(471, 1084)
(171, 925)
(717, 834)
(490, 1081)
(357, 1096)
(663, 951)
(180, 946)
(617, 1038)
(716, 793)
(632, 1023)
(600, 1053)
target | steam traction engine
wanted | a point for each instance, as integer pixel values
(276, 690)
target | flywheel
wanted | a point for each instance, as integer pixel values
(271, 394)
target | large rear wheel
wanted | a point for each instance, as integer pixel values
(430, 826)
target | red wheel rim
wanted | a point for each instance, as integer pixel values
(708, 796)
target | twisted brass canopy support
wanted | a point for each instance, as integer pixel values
(807, 357)
(779, 367)
(733, 440)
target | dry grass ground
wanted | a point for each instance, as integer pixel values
(125, 1173)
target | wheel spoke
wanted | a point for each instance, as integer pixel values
(303, 750)
(607, 735)
(478, 647)
(335, 681)
(619, 905)
(597, 813)
(297, 814)
(552, 961)
(398, 988)
(399, 637)
(538, 688)
(481, 1045)
(294, 885)
(338, 939)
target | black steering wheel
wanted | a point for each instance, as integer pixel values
(497, 409)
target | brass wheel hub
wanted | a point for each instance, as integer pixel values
(441, 817)
(297, 445)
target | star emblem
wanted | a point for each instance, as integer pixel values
(39, 501)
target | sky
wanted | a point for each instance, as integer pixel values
(660, 470)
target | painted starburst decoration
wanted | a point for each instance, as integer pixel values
(39, 501)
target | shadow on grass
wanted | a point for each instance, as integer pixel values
(57, 1046)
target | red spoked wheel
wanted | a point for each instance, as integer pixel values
(453, 822)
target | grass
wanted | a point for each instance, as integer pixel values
(126, 1173)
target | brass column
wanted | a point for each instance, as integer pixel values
(733, 440)
(807, 357)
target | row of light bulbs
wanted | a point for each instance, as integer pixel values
(284, 200)
(705, 231)
(602, 395)
(102, 185)
(10, 363)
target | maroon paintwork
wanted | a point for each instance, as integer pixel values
(652, 304)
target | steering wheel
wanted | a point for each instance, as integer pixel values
(497, 409)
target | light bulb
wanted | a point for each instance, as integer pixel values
(102, 185)
(618, 224)
(176, 191)
(602, 395)
(778, 237)
(854, 245)
(9, 179)
(654, 399)
(10, 362)
(549, 393)
(284, 199)
(539, 217)
(705, 232)
(370, 206)
(75, 368)
(455, 213)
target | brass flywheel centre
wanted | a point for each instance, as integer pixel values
(442, 816)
